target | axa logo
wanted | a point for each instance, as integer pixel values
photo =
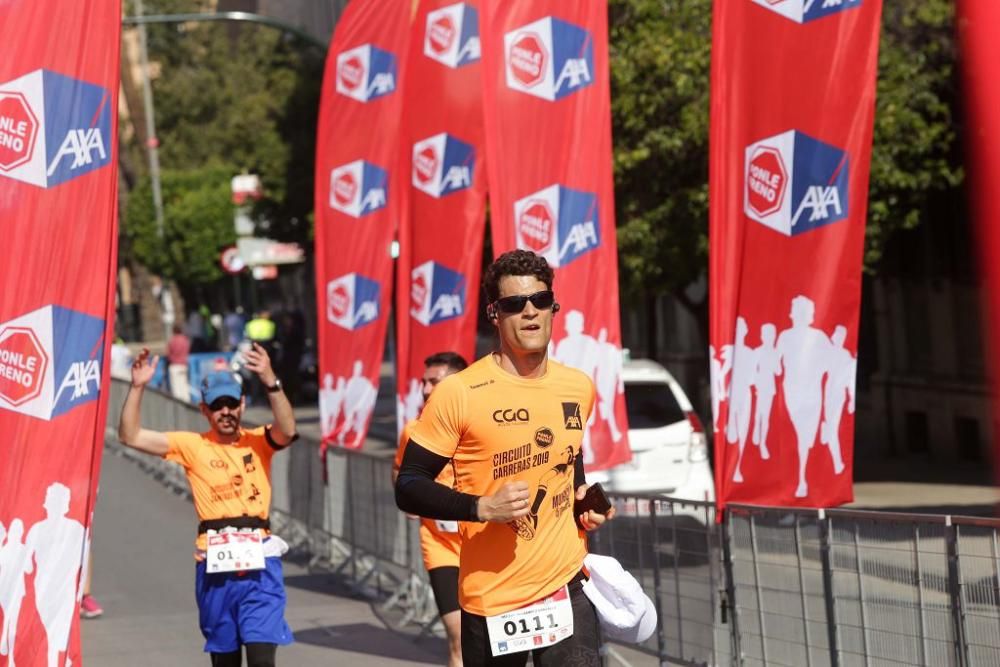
(549, 58)
(352, 301)
(558, 223)
(366, 73)
(358, 188)
(571, 416)
(511, 416)
(794, 183)
(437, 293)
(50, 361)
(442, 164)
(451, 35)
(803, 11)
(53, 128)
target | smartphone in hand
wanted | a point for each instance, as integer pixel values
(595, 499)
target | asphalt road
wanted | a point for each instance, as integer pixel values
(144, 578)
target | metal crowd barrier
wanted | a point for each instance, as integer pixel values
(768, 586)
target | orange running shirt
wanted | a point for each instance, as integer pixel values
(501, 428)
(226, 480)
(439, 548)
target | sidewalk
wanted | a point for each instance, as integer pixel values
(144, 578)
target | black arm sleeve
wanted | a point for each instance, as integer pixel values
(579, 476)
(418, 493)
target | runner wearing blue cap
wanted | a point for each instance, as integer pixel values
(238, 578)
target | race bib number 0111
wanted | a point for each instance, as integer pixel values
(544, 623)
(235, 552)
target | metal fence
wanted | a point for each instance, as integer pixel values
(768, 586)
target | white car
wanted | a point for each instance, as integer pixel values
(669, 447)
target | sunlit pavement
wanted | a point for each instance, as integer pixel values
(144, 578)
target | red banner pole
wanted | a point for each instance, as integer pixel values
(792, 108)
(356, 210)
(546, 95)
(58, 219)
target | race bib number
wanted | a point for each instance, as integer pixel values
(544, 623)
(446, 526)
(237, 551)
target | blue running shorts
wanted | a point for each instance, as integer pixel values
(236, 609)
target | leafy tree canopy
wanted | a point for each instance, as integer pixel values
(198, 222)
(228, 98)
(660, 61)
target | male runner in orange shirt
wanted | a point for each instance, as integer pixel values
(229, 470)
(512, 425)
(439, 540)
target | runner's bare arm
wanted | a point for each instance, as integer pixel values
(283, 428)
(418, 493)
(130, 431)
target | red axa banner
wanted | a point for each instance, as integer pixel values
(547, 106)
(356, 152)
(58, 220)
(443, 187)
(978, 21)
(793, 98)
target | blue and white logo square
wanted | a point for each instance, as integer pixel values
(352, 301)
(803, 11)
(442, 164)
(558, 223)
(50, 361)
(358, 188)
(549, 58)
(795, 183)
(451, 35)
(53, 128)
(366, 73)
(437, 293)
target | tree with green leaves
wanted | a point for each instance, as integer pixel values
(660, 62)
(229, 98)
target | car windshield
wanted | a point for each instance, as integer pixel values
(651, 405)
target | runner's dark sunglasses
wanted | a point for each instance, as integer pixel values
(515, 304)
(224, 402)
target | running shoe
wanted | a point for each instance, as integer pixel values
(89, 607)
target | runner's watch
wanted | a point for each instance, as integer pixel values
(274, 388)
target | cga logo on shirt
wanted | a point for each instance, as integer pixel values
(558, 223)
(442, 164)
(53, 128)
(50, 361)
(358, 188)
(352, 301)
(437, 293)
(803, 11)
(511, 415)
(549, 58)
(794, 183)
(452, 35)
(366, 73)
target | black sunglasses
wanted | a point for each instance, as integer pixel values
(515, 304)
(224, 402)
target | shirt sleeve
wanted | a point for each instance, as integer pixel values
(404, 437)
(589, 402)
(179, 445)
(260, 444)
(443, 420)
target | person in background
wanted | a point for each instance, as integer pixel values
(229, 470)
(178, 349)
(234, 323)
(440, 543)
